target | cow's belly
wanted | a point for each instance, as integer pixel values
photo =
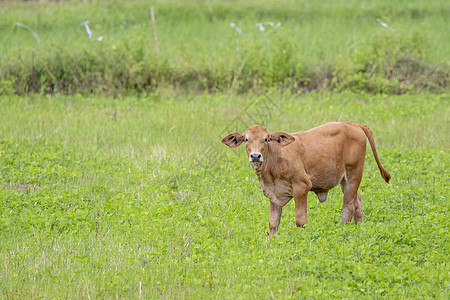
(326, 180)
(279, 192)
(326, 173)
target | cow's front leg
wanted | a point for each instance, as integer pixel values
(301, 204)
(274, 218)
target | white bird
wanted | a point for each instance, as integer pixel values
(88, 30)
(31, 30)
(237, 29)
(261, 27)
(384, 25)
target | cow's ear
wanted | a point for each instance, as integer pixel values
(282, 138)
(233, 140)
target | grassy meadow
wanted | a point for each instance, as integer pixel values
(137, 198)
(114, 183)
(319, 45)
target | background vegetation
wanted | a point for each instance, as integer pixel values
(114, 183)
(319, 45)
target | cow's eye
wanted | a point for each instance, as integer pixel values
(246, 139)
(265, 139)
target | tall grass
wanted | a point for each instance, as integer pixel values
(320, 45)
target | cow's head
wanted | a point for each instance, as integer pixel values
(257, 139)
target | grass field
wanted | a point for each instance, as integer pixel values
(137, 198)
(114, 183)
(319, 45)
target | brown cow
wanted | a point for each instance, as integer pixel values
(290, 165)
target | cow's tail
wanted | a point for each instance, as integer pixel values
(384, 173)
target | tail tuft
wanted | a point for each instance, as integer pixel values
(385, 174)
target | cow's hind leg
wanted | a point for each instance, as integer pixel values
(359, 210)
(352, 205)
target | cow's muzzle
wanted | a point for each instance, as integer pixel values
(255, 157)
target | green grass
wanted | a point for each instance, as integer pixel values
(105, 198)
(320, 44)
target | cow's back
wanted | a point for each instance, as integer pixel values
(328, 149)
